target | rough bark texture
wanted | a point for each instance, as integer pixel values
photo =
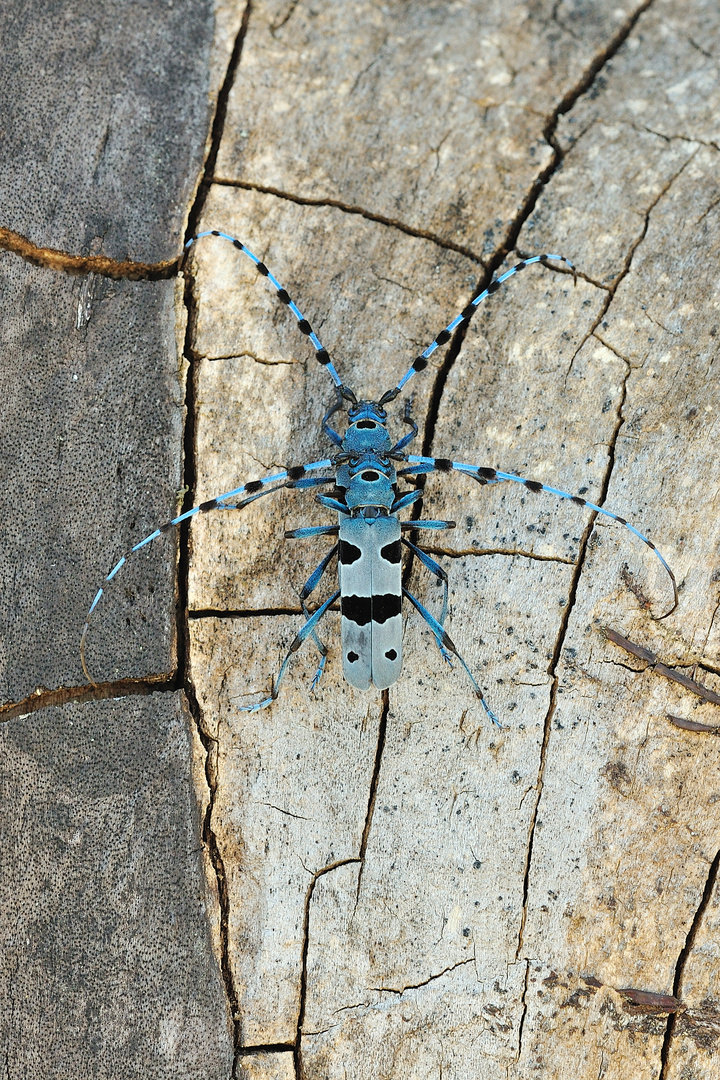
(91, 448)
(107, 955)
(110, 955)
(402, 889)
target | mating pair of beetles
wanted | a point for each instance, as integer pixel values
(364, 473)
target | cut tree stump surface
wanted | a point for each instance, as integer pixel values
(107, 929)
(392, 886)
(105, 117)
(91, 444)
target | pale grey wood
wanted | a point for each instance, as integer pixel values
(507, 885)
(430, 115)
(266, 1067)
(291, 800)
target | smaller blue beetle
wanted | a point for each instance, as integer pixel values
(369, 530)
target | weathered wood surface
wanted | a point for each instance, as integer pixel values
(110, 922)
(403, 889)
(454, 903)
(107, 916)
(86, 470)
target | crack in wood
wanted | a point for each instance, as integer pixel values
(62, 261)
(248, 613)
(190, 483)
(297, 1047)
(274, 27)
(218, 125)
(44, 699)
(359, 860)
(625, 270)
(380, 746)
(210, 840)
(677, 136)
(249, 356)
(567, 102)
(682, 961)
(425, 982)
(266, 1048)
(516, 226)
(523, 1014)
(349, 208)
(457, 553)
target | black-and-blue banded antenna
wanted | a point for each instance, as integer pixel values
(421, 361)
(321, 353)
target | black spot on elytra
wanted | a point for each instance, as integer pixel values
(385, 607)
(349, 553)
(356, 608)
(391, 552)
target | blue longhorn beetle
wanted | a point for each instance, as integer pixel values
(369, 530)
